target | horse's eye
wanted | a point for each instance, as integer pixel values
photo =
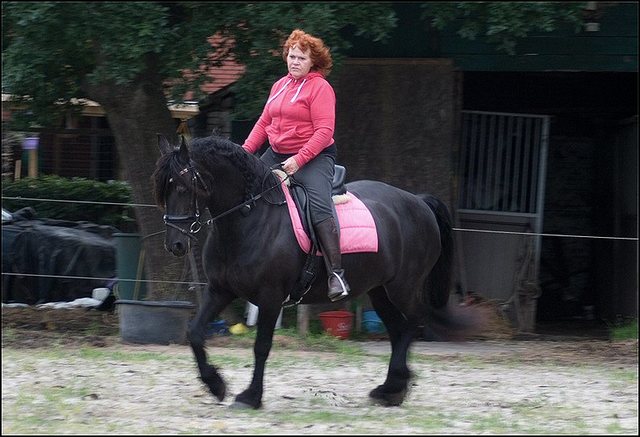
(170, 180)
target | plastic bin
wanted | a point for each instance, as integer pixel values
(129, 267)
(337, 323)
(371, 323)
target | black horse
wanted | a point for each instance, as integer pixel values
(251, 253)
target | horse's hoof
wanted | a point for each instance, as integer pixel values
(380, 397)
(248, 399)
(216, 386)
(395, 399)
(377, 393)
(237, 405)
(220, 394)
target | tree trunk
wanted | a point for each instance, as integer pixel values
(136, 114)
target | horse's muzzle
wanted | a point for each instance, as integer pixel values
(178, 248)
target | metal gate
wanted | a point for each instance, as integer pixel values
(502, 172)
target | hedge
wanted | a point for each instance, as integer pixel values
(86, 190)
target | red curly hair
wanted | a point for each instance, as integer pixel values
(318, 52)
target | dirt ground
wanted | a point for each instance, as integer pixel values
(72, 374)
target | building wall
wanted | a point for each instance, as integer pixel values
(396, 121)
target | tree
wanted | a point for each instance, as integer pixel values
(503, 23)
(123, 55)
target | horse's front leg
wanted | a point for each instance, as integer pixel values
(267, 316)
(213, 303)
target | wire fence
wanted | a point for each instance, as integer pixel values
(457, 229)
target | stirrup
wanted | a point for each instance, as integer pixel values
(338, 297)
(345, 290)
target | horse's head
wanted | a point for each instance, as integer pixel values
(212, 173)
(177, 186)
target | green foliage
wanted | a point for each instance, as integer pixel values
(503, 23)
(627, 330)
(109, 44)
(102, 203)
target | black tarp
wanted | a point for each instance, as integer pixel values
(54, 252)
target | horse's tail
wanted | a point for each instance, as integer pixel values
(446, 320)
(439, 280)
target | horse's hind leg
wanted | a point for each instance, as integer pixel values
(212, 304)
(394, 389)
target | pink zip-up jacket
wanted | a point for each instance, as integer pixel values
(298, 118)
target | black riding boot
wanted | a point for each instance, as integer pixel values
(329, 240)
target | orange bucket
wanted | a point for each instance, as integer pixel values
(337, 323)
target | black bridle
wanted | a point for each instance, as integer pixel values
(172, 221)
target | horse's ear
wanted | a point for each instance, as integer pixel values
(163, 145)
(184, 152)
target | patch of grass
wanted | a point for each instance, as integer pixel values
(474, 362)
(221, 360)
(619, 379)
(50, 409)
(529, 417)
(628, 330)
(615, 428)
(418, 419)
(116, 355)
(92, 353)
(94, 328)
(315, 340)
(8, 334)
(63, 394)
(24, 399)
(326, 343)
(490, 423)
(318, 416)
(25, 423)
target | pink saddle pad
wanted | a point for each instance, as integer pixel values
(357, 229)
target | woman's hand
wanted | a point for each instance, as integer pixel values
(290, 166)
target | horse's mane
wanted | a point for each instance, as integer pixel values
(206, 152)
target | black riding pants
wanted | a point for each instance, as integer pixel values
(316, 176)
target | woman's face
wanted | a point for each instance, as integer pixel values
(298, 62)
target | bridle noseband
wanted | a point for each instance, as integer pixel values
(196, 225)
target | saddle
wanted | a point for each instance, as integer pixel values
(301, 199)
